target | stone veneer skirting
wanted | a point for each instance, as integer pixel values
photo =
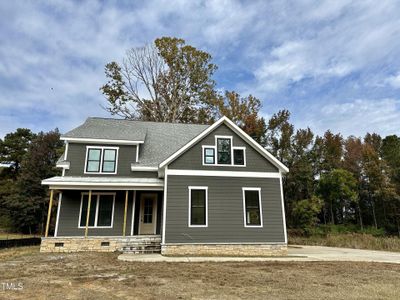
(224, 249)
(96, 244)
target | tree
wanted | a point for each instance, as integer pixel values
(167, 81)
(279, 134)
(244, 112)
(305, 212)
(338, 189)
(27, 201)
(14, 147)
(352, 162)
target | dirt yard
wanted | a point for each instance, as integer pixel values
(102, 276)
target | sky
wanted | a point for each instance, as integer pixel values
(334, 64)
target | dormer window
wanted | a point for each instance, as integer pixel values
(223, 153)
(101, 160)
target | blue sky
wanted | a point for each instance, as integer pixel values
(334, 64)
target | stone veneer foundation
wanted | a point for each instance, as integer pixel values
(224, 249)
(96, 244)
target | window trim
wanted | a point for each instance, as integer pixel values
(244, 155)
(102, 148)
(97, 199)
(215, 147)
(244, 189)
(223, 137)
(203, 148)
(190, 188)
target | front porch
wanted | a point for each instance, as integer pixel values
(104, 218)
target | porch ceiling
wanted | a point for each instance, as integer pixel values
(99, 183)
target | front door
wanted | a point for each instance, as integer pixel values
(148, 213)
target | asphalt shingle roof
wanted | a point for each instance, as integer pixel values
(161, 140)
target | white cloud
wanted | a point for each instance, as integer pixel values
(358, 117)
(394, 81)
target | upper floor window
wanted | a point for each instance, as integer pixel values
(209, 155)
(223, 153)
(101, 160)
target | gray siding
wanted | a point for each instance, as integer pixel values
(225, 211)
(126, 156)
(192, 158)
(70, 209)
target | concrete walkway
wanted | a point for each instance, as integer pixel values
(295, 253)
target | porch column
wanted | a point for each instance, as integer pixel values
(125, 212)
(88, 213)
(49, 213)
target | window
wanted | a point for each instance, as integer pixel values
(101, 160)
(224, 151)
(209, 155)
(109, 160)
(101, 210)
(93, 160)
(238, 156)
(198, 207)
(252, 207)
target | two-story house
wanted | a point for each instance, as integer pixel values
(184, 189)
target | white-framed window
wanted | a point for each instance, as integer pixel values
(239, 156)
(223, 153)
(209, 155)
(101, 160)
(101, 213)
(198, 206)
(252, 209)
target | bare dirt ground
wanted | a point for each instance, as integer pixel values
(102, 276)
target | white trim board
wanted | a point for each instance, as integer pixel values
(101, 141)
(237, 130)
(283, 210)
(143, 168)
(223, 173)
(58, 214)
(164, 215)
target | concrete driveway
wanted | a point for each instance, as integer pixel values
(318, 253)
(295, 253)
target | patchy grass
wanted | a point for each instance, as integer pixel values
(101, 275)
(349, 240)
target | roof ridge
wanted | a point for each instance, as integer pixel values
(142, 121)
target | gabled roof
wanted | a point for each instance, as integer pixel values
(237, 130)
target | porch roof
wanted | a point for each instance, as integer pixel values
(100, 183)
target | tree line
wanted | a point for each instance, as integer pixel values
(332, 179)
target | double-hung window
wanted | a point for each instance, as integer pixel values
(102, 160)
(101, 210)
(224, 151)
(209, 155)
(198, 206)
(252, 209)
